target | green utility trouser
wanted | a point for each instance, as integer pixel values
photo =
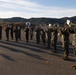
(66, 48)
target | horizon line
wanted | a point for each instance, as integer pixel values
(38, 17)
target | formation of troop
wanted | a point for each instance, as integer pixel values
(48, 35)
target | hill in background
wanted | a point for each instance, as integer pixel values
(37, 21)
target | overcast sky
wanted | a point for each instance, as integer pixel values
(37, 8)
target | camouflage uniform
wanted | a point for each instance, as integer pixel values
(49, 32)
(65, 34)
(74, 45)
(74, 42)
(43, 36)
(54, 38)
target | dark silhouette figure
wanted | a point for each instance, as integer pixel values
(0, 32)
(38, 35)
(31, 33)
(16, 34)
(11, 32)
(19, 32)
(7, 32)
(27, 30)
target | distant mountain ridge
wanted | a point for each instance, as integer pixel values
(37, 21)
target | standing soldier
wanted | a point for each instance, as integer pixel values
(38, 30)
(7, 32)
(43, 35)
(11, 32)
(74, 44)
(31, 33)
(0, 31)
(49, 32)
(16, 34)
(19, 32)
(54, 38)
(27, 30)
(65, 32)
